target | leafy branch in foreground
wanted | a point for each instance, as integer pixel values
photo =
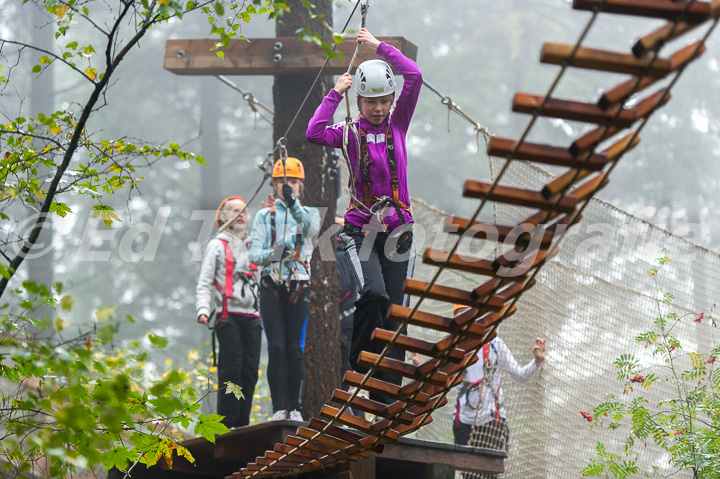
(685, 425)
(79, 403)
(91, 40)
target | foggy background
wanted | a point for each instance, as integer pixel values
(478, 53)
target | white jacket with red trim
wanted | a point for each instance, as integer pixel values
(212, 275)
(478, 395)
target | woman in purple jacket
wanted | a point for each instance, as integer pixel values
(378, 222)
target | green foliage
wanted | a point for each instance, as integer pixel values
(82, 404)
(686, 425)
(80, 161)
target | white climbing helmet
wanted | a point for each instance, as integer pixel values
(374, 78)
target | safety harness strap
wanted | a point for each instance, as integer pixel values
(227, 288)
(486, 362)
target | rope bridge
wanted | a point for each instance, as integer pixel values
(553, 208)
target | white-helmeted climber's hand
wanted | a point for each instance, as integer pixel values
(367, 38)
(343, 83)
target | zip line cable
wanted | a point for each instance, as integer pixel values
(247, 95)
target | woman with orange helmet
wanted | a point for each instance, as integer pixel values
(228, 283)
(281, 242)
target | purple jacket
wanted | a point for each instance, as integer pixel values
(398, 123)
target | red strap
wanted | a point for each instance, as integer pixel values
(229, 265)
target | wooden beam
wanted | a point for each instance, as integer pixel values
(267, 56)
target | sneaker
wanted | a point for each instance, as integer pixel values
(363, 393)
(296, 416)
(280, 415)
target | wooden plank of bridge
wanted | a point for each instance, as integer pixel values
(516, 196)
(572, 110)
(602, 60)
(544, 154)
(613, 152)
(693, 11)
(620, 93)
(383, 388)
(262, 56)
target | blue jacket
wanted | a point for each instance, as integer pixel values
(286, 224)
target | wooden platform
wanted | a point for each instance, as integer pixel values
(267, 56)
(406, 458)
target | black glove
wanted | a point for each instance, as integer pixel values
(287, 194)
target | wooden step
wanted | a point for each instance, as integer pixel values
(419, 411)
(474, 318)
(620, 93)
(644, 107)
(516, 196)
(406, 343)
(351, 449)
(487, 288)
(523, 258)
(692, 11)
(459, 262)
(603, 60)
(437, 292)
(539, 153)
(274, 464)
(564, 181)
(331, 454)
(344, 434)
(354, 422)
(307, 453)
(658, 38)
(285, 457)
(430, 321)
(382, 388)
(372, 407)
(572, 110)
(494, 232)
(591, 186)
(421, 421)
(400, 368)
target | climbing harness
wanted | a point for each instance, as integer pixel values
(226, 289)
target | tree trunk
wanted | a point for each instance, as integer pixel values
(322, 344)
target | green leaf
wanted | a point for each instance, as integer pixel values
(36, 69)
(209, 426)
(105, 313)
(66, 302)
(234, 389)
(158, 341)
(118, 458)
(219, 8)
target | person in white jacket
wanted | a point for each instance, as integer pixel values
(228, 287)
(479, 418)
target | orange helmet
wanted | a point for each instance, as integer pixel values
(222, 205)
(294, 168)
(460, 308)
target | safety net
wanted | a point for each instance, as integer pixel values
(590, 302)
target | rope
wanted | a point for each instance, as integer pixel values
(247, 95)
(454, 107)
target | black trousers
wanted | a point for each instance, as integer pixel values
(238, 362)
(284, 323)
(381, 281)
